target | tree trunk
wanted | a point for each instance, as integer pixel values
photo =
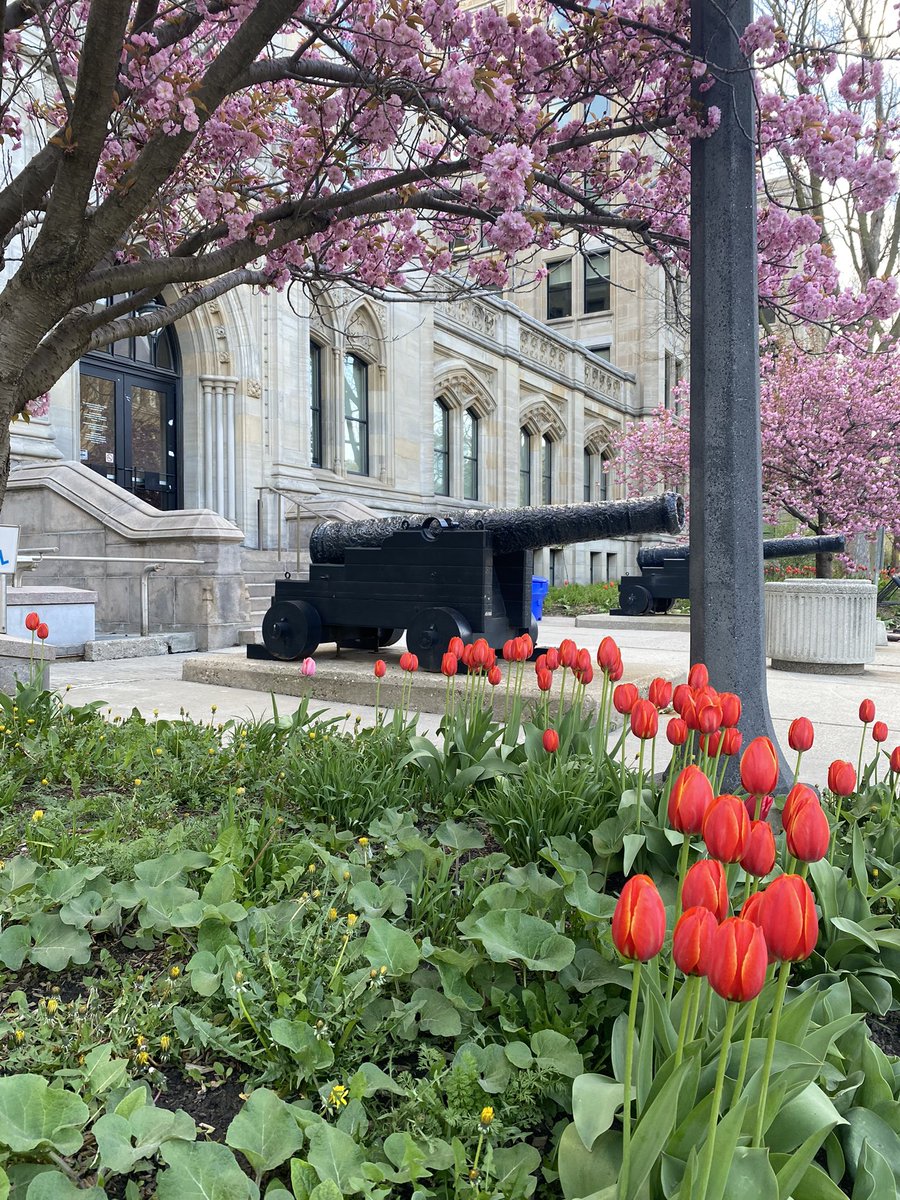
(824, 562)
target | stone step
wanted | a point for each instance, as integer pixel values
(255, 590)
(250, 637)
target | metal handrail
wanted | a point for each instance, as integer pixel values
(279, 514)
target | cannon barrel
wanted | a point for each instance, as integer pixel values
(655, 556)
(515, 529)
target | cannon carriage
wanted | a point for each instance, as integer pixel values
(665, 571)
(435, 578)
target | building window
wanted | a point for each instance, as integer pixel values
(470, 455)
(596, 282)
(547, 470)
(602, 351)
(604, 476)
(356, 415)
(441, 449)
(559, 289)
(588, 476)
(557, 568)
(674, 372)
(315, 404)
(524, 467)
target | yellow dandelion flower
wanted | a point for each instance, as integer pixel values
(165, 1043)
(239, 791)
(142, 1058)
(138, 782)
(311, 868)
(174, 972)
(316, 894)
(312, 735)
(346, 875)
(214, 708)
(211, 751)
(19, 1035)
(37, 815)
(338, 1096)
(352, 918)
(383, 971)
(487, 1117)
(158, 751)
(364, 841)
(332, 914)
(140, 1041)
(45, 782)
(30, 721)
(52, 1006)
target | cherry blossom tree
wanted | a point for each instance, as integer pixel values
(830, 430)
(181, 148)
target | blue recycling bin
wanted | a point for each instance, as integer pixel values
(539, 589)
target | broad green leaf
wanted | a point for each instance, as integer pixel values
(123, 1142)
(728, 1133)
(53, 1185)
(64, 883)
(632, 842)
(435, 1012)
(335, 1156)
(791, 1168)
(459, 836)
(652, 1130)
(847, 926)
(865, 1127)
(386, 945)
(32, 1114)
(310, 1052)
(512, 934)
(874, 1177)
(750, 1176)
(582, 1172)
(595, 1101)
(555, 1052)
(511, 1166)
(377, 1081)
(4, 1185)
(326, 1190)
(204, 973)
(804, 1115)
(103, 1072)
(56, 944)
(157, 871)
(14, 943)
(201, 1171)
(265, 1131)
(589, 903)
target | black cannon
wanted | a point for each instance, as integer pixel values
(665, 570)
(465, 576)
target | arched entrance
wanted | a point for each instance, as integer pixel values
(130, 405)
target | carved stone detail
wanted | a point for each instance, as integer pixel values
(363, 335)
(253, 388)
(597, 436)
(598, 379)
(541, 417)
(474, 316)
(544, 350)
(462, 388)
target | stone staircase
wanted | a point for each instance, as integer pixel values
(260, 569)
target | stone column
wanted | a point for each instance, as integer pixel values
(218, 488)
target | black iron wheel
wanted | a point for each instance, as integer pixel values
(430, 632)
(389, 637)
(634, 600)
(663, 606)
(291, 629)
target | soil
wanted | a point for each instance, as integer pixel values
(885, 1032)
(213, 1103)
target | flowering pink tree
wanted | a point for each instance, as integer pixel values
(186, 148)
(830, 427)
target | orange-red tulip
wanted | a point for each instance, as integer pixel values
(758, 807)
(737, 960)
(709, 716)
(43, 631)
(797, 797)
(895, 760)
(639, 920)
(553, 659)
(759, 857)
(494, 675)
(726, 829)
(879, 732)
(527, 646)
(867, 712)
(660, 692)
(456, 646)
(583, 661)
(616, 671)
(788, 918)
(698, 676)
(676, 732)
(551, 741)
(808, 833)
(380, 668)
(568, 652)
(731, 709)
(704, 885)
(644, 719)
(408, 661)
(692, 939)
(732, 739)
(509, 650)
(801, 735)
(449, 664)
(759, 767)
(678, 696)
(842, 778)
(709, 743)
(32, 621)
(625, 696)
(607, 654)
(690, 797)
(544, 679)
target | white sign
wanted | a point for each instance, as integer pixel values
(9, 548)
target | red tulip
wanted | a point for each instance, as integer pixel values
(509, 650)
(709, 743)
(758, 807)
(43, 631)
(842, 778)
(644, 719)
(608, 654)
(527, 646)
(494, 675)
(678, 697)
(449, 664)
(585, 676)
(616, 671)
(732, 740)
(551, 741)
(750, 910)
(676, 732)
(660, 693)
(540, 663)
(32, 621)
(568, 652)
(726, 828)
(552, 659)
(625, 696)
(456, 647)
(731, 709)
(481, 655)
(738, 958)
(797, 797)
(759, 857)
(759, 767)
(709, 716)
(466, 656)
(689, 712)
(895, 760)
(808, 834)
(867, 712)
(704, 884)
(692, 940)
(698, 676)
(544, 679)
(408, 662)
(788, 918)
(801, 735)
(639, 920)
(380, 668)
(879, 732)
(583, 661)
(690, 797)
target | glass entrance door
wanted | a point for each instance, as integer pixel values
(128, 432)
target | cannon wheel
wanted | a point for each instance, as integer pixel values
(389, 637)
(663, 606)
(430, 632)
(291, 629)
(634, 600)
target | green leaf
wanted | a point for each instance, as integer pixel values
(589, 903)
(595, 1102)
(204, 973)
(804, 1115)
(310, 1053)
(582, 1172)
(385, 945)
(265, 1131)
(14, 943)
(201, 1171)
(866, 1128)
(874, 1177)
(56, 944)
(4, 1185)
(335, 1155)
(728, 1133)
(326, 1190)
(795, 1166)
(750, 1176)
(632, 843)
(512, 934)
(555, 1052)
(435, 1012)
(123, 1142)
(458, 836)
(33, 1114)
(103, 1072)
(653, 1129)
(53, 1185)
(511, 1166)
(847, 926)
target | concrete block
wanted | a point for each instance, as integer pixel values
(180, 643)
(820, 625)
(881, 633)
(19, 660)
(132, 647)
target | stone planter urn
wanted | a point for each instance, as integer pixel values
(821, 625)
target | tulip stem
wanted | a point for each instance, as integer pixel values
(689, 991)
(797, 768)
(695, 1008)
(745, 1051)
(780, 991)
(629, 1062)
(640, 784)
(682, 867)
(709, 1149)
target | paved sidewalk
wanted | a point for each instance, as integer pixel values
(830, 701)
